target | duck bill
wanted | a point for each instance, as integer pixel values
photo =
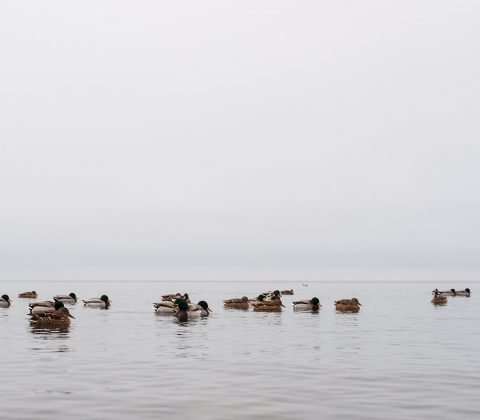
(71, 316)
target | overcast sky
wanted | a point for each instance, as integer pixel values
(282, 140)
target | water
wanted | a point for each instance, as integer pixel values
(400, 357)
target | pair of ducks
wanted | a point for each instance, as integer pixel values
(181, 306)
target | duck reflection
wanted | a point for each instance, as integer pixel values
(50, 339)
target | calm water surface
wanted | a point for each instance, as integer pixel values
(400, 357)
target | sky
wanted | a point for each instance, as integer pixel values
(240, 140)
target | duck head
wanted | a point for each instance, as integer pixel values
(315, 303)
(204, 306)
(6, 298)
(73, 296)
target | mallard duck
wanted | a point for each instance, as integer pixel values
(102, 303)
(41, 306)
(439, 299)
(241, 303)
(287, 292)
(186, 298)
(348, 305)
(171, 297)
(5, 301)
(307, 305)
(70, 298)
(199, 309)
(59, 317)
(167, 307)
(28, 295)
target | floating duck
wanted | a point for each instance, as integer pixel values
(287, 292)
(41, 307)
(167, 306)
(70, 298)
(439, 299)
(239, 303)
(28, 295)
(5, 301)
(307, 305)
(453, 292)
(348, 305)
(102, 302)
(172, 297)
(59, 317)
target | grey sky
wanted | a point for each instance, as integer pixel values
(239, 140)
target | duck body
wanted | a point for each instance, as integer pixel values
(239, 303)
(5, 301)
(348, 305)
(41, 307)
(103, 302)
(28, 295)
(307, 305)
(165, 307)
(70, 298)
(59, 317)
(453, 292)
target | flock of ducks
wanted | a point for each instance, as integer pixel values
(52, 313)
(440, 297)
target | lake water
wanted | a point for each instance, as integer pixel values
(400, 357)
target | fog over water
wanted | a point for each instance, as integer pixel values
(230, 140)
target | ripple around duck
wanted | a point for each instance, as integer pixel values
(397, 358)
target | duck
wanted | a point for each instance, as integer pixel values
(41, 307)
(171, 297)
(307, 305)
(59, 317)
(186, 298)
(237, 303)
(348, 305)
(103, 302)
(5, 301)
(267, 306)
(287, 292)
(439, 299)
(199, 309)
(166, 306)
(453, 292)
(28, 295)
(70, 298)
